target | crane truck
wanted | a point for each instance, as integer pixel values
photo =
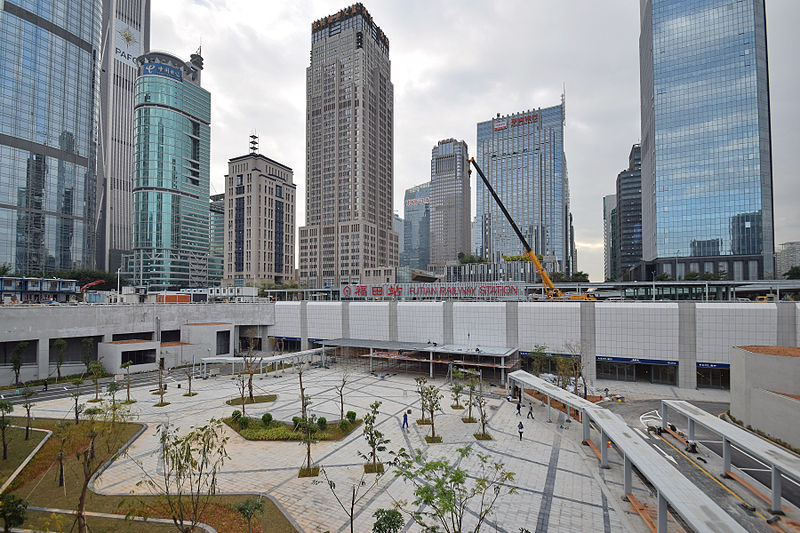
(552, 292)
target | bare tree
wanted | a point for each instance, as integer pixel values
(576, 365)
(480, 402)
(60, 346)
(250, 361)
(189, 372)
(358, 491)
(127, 367)
(345, 377)
(28, 394)
(75, 396)
(241, 386)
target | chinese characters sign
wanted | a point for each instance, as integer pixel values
(159, 69)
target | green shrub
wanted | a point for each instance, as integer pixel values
(244, 422)
(236, 415)
(266, 418)
(344, 425)
(322, 422)
(351, 416)
(296, 421)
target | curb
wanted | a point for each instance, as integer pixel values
(27, 460)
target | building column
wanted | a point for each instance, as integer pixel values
(628, 484)
(588, 342)
(393, 320)
(662, 514)
(777, 486)
(587, 429)
(303, 325)
(43, 357)
(512, 325)
(345, 319)
(447, 322)
(603, 449)
(687, 345)
(787, 332)
(726, 457)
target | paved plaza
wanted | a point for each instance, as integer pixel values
(560, 485)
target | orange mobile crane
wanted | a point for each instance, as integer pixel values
(552, 292)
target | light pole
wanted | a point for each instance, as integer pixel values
(120, 268)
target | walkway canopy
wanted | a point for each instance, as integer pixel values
(305, 356)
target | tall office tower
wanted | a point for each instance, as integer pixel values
(788, 256)
(475, 238)
(523, 157)
(216, 236)
(49, 78)
(629, 213)
(171, 181)
(349, 151)
(126, 36)
(417, 231)
(451, 204)
(398, 225)
(610, 245)
(706, 146)
(259, 238)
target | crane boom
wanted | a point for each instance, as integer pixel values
(551, 290)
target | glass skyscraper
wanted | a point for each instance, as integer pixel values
(706, 147)
(171, 179)
(417, 230)
(523, 157)
(451, 209)
(49, 67)
(628, 238)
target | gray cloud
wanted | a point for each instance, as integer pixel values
(455, 64)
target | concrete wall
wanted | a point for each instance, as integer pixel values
(756, 380)
(41, 325)
(111, 352)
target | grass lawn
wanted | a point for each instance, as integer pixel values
(256, 399)
(38, 483)
(256, 430)
(18, 450)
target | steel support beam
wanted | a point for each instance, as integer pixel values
(777, 489)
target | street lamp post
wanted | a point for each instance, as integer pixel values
(120, 268)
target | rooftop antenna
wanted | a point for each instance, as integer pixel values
(254, 144)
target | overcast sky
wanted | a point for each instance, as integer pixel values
(454, 64)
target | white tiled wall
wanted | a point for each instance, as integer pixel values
(369, 320)
(287, 320)
(648, 331)
(485, 324)
(324, 320)
(797, 321)
(722, 325)
(419, 322)
(550, 324)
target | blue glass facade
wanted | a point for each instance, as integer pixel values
(523, 157)
(171, 179)
(49, 53)
(706, 149)
(417, 227)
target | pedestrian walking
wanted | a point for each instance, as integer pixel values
(405, 421)
(519, 408)
(530, 411)
(520, 428)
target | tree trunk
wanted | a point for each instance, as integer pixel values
(5, 446)
(433, 427)
(250, 387)
(61, 469)
(76, 411)
(58, 372)
(84, 488)
(190, 384)
(352, 508)
(471, 388)
(303, 398)
(341, 402)
(129, 384)
(28, 425)
(308, 453)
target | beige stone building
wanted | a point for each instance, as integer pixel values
(450, 207)
(349, 152)
(259, 221)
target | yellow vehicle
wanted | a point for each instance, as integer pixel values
(552, 292)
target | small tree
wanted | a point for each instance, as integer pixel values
(305, 401)
(189, 372)
(421, 384)
(104, 431)
(250, 508)
(473, 381)
(576, 366)
(251, 360)
(113, 389)
(443, 492)
(62, 434)
(127, 367)
(28, 394)
(60, 347)
(433, 396)
(375, 439)
(87, 353)
(75, 395)
(358, 491)
(241, 386)
(6, 407)
(186, 478)
(12, 511)
(308, 428)
(16, 359)
(480, 402)
(537, 358)
(345, 377)
(96, 371)
(457, 388)
(387, 521)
